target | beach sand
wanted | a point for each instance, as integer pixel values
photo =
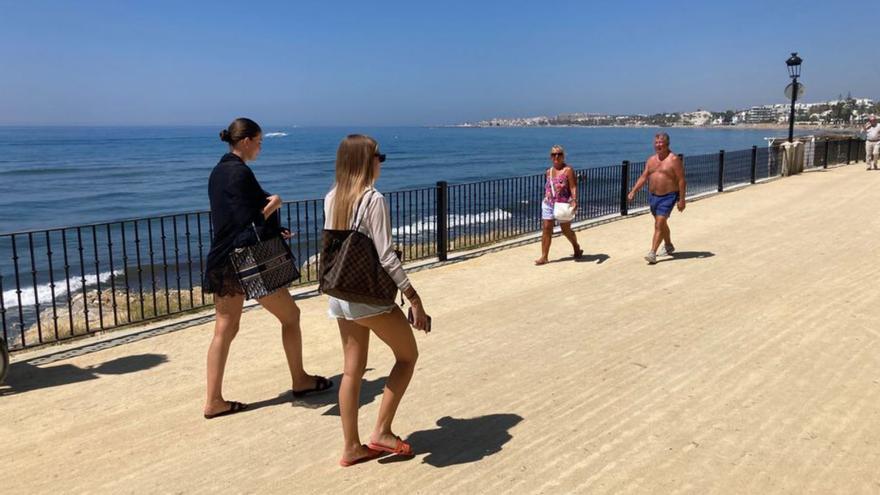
(747, 364)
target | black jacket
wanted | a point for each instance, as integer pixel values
(237, 200)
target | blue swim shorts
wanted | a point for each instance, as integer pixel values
(662, 205)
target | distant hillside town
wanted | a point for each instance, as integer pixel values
(842, 112)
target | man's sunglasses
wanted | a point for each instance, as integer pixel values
(381, 156)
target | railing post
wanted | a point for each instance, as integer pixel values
(721, 171)
(848, 150)
(825, 158)
(442, 217)
(754, 163)
(624, 188)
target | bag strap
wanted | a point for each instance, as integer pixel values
(357, 210)
(550, 179)
(256, 232)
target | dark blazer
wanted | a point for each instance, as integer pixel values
(237, 200)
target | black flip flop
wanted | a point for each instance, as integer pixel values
(321, 384)
(234, 407)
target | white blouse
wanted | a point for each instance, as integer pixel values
(375, 222)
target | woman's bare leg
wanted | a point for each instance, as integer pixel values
(394, 330)
(572, 238)
(546, 237)
(281, 304)
(355, 344)
(225, 328)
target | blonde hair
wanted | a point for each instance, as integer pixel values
(557, 148)
(354, 173)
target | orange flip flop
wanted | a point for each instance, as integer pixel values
(402, 448)
(373, 454)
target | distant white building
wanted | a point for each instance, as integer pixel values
(700, 117)
(761, 115)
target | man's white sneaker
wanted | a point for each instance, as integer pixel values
(667, 250)
(651, 258)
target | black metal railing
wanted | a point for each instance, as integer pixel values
(62, 283)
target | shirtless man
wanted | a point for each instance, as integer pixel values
(664, 174)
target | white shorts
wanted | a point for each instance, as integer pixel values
(348, 310)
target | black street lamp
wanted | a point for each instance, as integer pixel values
(794, 71)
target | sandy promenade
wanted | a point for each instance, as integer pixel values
(750, 363)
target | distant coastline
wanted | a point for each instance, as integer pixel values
(853, 129)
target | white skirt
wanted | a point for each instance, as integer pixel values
(348, 310)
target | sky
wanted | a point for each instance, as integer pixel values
(417, 63)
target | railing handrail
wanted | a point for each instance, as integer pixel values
(136, 270)
(104, 223)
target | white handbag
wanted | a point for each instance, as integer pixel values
(562, 212)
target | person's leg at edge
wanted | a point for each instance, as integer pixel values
(395, 331)
(281, 304)
(667, 235)
(355, 345)
(660, 228)
(876, 154)
(225, 328)
(546, 237)
(572, 238)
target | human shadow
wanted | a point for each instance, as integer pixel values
(24, 376)
(370, 389)
(585, 258)
(593, 258)
(461, 441)
(686, 255)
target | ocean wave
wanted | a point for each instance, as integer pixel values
(275, 134)
(44, 291)
(429, 223)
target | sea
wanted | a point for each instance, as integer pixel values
(64, 176)
(53, 177)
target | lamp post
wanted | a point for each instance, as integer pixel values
(794, 71)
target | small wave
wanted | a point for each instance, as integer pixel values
(44, 291)
(274, 134)
(429, 224)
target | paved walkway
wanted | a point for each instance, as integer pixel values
(746, 364)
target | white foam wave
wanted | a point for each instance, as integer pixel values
(429, 224)
(44, 291)
(274, 134)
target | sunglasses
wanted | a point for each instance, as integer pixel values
(381, 156)
(557, 154)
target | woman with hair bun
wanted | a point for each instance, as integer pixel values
(237, 200)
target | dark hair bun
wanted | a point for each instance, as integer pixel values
(224, 136)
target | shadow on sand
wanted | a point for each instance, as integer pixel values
(370, 389)
(461, 441)
(686, 255)
(585, 258)
(24, 376)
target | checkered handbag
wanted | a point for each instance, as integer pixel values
(264, 267)
(350, 270)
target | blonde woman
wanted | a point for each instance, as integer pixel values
(560, 187)
(354, 201)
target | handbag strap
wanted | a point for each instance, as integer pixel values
(357, 210)
(552, 185)
(254, 225)
(256, 232)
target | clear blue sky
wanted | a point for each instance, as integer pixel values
(411, 62)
